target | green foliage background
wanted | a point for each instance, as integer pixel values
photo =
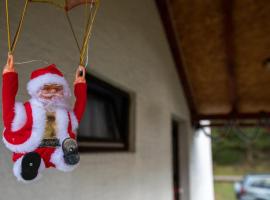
(241, 146)
(235, 155)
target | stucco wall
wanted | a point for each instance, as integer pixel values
(129, 49)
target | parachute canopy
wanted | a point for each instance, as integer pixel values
(65, 4)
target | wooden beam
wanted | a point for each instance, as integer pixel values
(173, 39)
(233, 116)
(222, 124)
(228, 34)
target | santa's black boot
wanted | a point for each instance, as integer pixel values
(30, 165)
(71, 153)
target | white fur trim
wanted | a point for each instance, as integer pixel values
(38, 127)
(17, 170)
(74, 122)
(19, 118)
(57, 159)
(37, 83)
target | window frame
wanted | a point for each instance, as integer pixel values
(86, 144)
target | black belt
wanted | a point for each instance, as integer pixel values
(50, 143)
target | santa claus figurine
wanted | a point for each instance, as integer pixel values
(41, 133)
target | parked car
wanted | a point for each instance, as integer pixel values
(253, 187)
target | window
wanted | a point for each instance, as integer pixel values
(105, 124)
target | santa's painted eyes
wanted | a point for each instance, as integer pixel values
(52, 88)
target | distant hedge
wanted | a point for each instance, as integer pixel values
(228, 157)
(235, 149)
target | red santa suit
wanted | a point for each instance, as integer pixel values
(24, 124)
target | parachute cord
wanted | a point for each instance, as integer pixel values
(19, 27)
(86, 13)
(88, 32)
(8, 27)
(31, 61)
(87, 56)
(85, 35)
(73, 31)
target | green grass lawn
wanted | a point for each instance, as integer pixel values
(241, 170)
(224, 191)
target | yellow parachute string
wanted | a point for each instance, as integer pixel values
(12, 47)
(87, 12)
(88, 32)
(19, 27)
(8, 27)
(87, 35)
(73, 31)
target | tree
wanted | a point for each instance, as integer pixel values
(245, 145)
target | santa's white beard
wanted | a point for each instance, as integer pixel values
(51, 105)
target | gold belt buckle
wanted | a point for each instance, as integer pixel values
(50, 143)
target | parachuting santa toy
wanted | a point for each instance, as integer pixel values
(41, 133)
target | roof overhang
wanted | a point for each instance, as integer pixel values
(221, 50)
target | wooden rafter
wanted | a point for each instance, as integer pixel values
(173, 39)
(233, 116)
(227, 19)
(228, 7)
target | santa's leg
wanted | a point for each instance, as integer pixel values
(28, 167)
(71, 153)
(60, 162)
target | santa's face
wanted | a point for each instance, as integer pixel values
(52, 96)
(51, 91)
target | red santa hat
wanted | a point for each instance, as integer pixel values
(45, 76)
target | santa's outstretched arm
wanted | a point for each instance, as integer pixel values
(9, 91)
(80, 91)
